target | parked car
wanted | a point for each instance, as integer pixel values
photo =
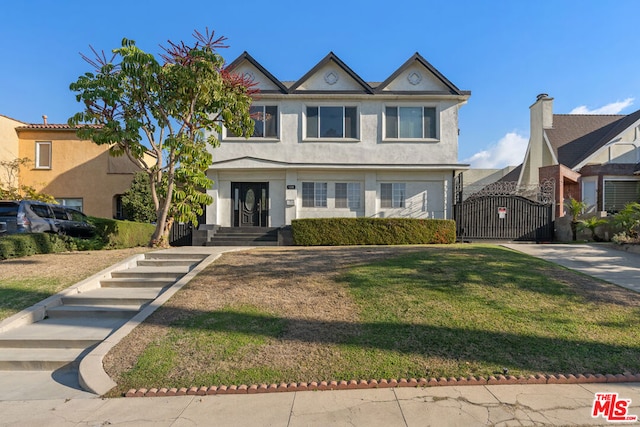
(30, 216)
(27, 216)
(73, 223)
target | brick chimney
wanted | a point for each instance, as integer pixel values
(44, 119)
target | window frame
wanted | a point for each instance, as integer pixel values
(355, 127)
(349, 201)
(38, 157)
(229, 136)
(398, 198)
(398, 128)
(320, 190)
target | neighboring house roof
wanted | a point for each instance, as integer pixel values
(574, 138)
(512, 176)
(50, 126)
(11, 118)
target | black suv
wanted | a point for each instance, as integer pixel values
(72, 222)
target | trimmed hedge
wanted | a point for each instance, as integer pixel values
(19, 245)
(123, 234)
(110, 234)
(372, 231)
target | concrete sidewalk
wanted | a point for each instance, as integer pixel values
(496, 405)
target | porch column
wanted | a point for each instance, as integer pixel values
(291, 195)
(212, 209)
(370, 194)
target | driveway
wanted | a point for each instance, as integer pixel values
(603, 261)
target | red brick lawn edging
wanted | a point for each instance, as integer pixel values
(383, 383)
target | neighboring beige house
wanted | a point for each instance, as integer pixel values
(333, 145)
(77, 173)
(593, 158)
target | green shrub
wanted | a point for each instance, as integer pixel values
(628, 221)
(372, 231)
(117, 234)
(19, 245)
(110, 234)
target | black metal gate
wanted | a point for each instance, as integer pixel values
(181, 233)
(502, 211)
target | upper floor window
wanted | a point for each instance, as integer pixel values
(348, 195)
(265, 119)
(410, 122)
(332, 122)
(393, 195)
(43, 155)
(314, 194)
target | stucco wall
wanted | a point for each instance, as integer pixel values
(8, 143)
(370, 148)
(426, 194)
(79, 169)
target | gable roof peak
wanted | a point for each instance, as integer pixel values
(416, 57)
(331, 57)
(245, 56)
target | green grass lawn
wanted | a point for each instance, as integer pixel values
(446, 311)
(28, 280)
(18, 294)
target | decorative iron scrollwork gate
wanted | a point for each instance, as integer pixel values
(504, 211)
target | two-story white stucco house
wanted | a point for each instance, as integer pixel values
(333, 145)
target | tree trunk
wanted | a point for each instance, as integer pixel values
(574, 229)
(160, 236)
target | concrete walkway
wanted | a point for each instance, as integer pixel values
(601, 260)
(500, 405)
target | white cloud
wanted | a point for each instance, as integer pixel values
(509, 151)
(613, 108)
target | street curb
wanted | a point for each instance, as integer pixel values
(384, 383)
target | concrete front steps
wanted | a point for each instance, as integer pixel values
(245, 236)
(67, 326)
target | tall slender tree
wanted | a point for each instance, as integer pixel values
(164, 114)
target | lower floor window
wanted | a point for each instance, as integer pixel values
(314, 194)
(348, 195)
(617, 194)
(392, 195)
(71, 203)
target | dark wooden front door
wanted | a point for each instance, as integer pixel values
(250, 204)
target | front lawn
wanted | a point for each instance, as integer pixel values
(313, 314)
(28, 280)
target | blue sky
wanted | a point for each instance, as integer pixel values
(582, 53)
